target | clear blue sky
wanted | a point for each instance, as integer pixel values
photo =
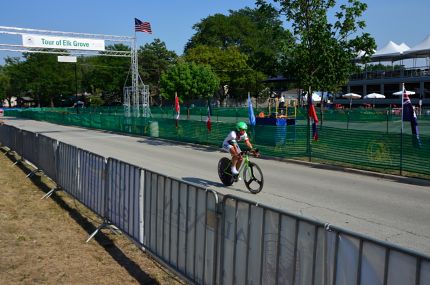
(172, 21)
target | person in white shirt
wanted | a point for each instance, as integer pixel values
(231, 145)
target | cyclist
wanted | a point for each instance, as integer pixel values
(230, 144)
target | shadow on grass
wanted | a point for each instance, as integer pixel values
(88, 225)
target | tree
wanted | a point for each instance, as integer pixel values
(324, 53)
(257, 33)
(4, 85)
(230, 65)
(154, 59)
(190, 81)
(13, 79)
(104, 75)
(46, 78)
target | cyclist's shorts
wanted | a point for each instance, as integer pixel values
(227, 147)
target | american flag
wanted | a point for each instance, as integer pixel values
(140, 26)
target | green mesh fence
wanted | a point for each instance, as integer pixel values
(366, 139)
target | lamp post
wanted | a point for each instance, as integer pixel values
(76, 86)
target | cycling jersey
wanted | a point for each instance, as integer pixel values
(232, 139)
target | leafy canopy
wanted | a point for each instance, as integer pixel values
(154, 59)
(257, 33)
(324, 52)
(190, 81)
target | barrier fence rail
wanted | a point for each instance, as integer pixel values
(210, 241)
(283, 248)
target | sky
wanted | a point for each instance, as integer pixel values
(172, 20)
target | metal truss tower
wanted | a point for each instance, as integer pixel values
(134, 97)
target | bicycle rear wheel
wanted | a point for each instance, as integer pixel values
(224, 171)
(253, 178)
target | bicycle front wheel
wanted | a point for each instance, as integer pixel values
(253, 178)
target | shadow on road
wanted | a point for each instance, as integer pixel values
(161, 142)
(203, 182)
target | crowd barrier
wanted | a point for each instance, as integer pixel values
(124, 201)
(47, 158)
(283, 248)
(210, 241)
(181, 226)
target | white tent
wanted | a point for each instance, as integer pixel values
(390, 52)
(420, 50)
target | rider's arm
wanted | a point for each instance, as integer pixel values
(248, 143)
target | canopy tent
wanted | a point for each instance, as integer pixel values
(390, 52)
(394, 52)
(420, 50)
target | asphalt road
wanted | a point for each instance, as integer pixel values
(389, 208)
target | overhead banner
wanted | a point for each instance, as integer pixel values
(40, 41)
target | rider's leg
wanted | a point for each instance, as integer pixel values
(234, 159)
(239, 162)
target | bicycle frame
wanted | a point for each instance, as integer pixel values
(244, 165)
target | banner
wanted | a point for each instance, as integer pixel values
(40, 41)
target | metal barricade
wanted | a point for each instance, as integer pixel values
(16, 141)
(262, 245)
(6, 135)
(30, 147)
(92, 176)
(124, 199)
(177, 222)
(180, 226)
(68, 168)
(47, 156)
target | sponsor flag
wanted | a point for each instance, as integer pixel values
(177, 108)
(410, 115)
(251, 115)
(208, 119)
(313, 116)
(140, 26)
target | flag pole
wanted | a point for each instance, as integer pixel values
(401, 131)
(402, 96)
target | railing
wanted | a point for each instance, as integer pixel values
(208, 241)
(423, 71)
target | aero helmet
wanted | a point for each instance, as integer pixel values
(241, 126)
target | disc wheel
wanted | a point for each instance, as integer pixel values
(224, 171)
(253, 178)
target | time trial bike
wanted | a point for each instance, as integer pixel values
(249, 171)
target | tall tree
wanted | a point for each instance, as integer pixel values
(230, 65)
(13, 78)
(154, 59)
(257, 33)
(46, 78)
(105, 76)
(323, 56)
(190, 81)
